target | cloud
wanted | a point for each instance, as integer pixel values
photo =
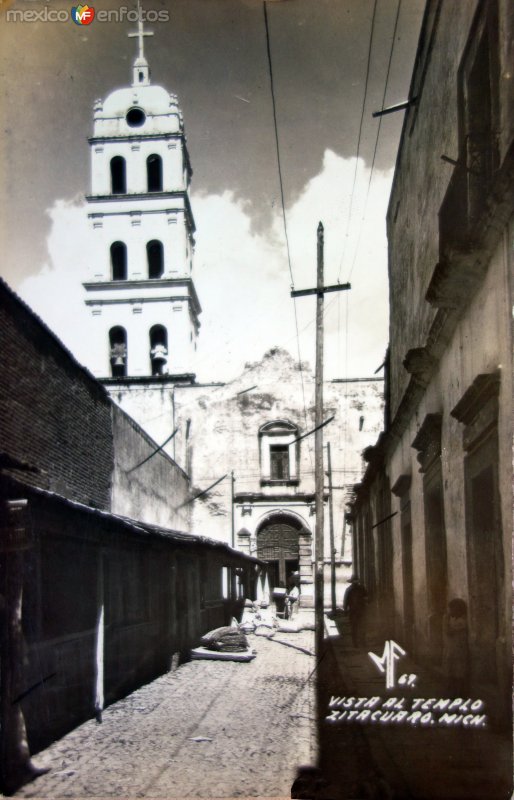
(244, 282)
(242, 277)
(55, 293)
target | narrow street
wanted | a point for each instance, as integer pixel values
(208, 729)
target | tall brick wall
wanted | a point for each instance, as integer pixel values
(54, 416)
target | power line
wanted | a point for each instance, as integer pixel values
(377, 137)
(153, 453)
(345, 241)
(322, 425)
(277, 144)
(203, 492)
(345, 429)
(370, 46)
(275, 126)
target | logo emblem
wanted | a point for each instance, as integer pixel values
(82, 15)
(386, 664)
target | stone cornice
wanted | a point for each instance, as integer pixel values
(299, 498)
(477, 410)
(150, 283)
(419, 363)
(402, 485)
(156, 380)
(429, 432)
(124, 198)
(428, 440)
(461, 268)
(483, 388)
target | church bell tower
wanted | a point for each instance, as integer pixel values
(140, 291)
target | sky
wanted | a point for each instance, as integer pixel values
(213, 55)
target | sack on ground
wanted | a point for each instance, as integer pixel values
(225, 640)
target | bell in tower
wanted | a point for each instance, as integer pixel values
(159, 350)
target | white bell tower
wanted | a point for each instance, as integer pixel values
(140, 291)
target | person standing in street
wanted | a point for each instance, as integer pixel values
(456, 663)
(355, 599)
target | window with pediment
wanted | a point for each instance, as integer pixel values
(279, 453)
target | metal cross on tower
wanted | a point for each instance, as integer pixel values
(140, 33)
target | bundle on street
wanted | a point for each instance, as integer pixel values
(225, 640)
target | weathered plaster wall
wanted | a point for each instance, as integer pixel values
(155, 491)
(460, 332)
(481, 344)
(151, 406)
(421, 180)
(431, 129)
(222, 436)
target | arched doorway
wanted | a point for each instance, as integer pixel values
(278, 543)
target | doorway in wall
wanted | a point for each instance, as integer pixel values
(278, 544)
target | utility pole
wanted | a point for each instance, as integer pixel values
(332, 544)
(232, 482)
(343, 539)
(319, 291)
(318, 451)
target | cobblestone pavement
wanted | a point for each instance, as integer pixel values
(254, 724)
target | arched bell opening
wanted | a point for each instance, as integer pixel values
(119, 261)
(118, 351)
(155, 255)
(118, 175)
(154, 173)
(159, 349)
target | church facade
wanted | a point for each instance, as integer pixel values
(245, 445)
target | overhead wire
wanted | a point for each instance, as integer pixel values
(281, 182)
(277, 145)
(359, 137)
(359, 235)
(348, 223)
(391, 52)
(284, 219)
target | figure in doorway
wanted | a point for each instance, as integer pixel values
(354, 604)
(456, 648)
(293, 596)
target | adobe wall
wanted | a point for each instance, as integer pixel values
(147, 484)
